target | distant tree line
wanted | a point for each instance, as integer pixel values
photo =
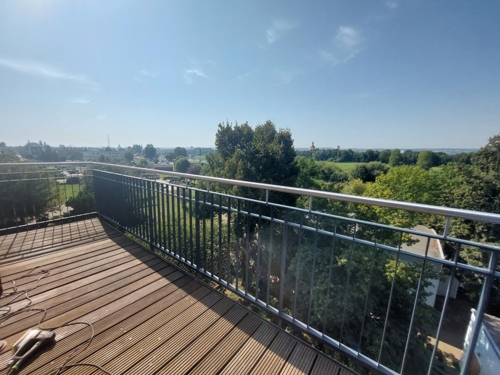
(393, 157)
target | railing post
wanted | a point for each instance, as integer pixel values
(483, 301)
(197, 230)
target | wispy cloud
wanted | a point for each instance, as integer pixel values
(278, 29)
(147, 73)
(348, 42)
(80, 101)
(391, 4)
(244, 76)
(191, 74)
(45, 71)
(285, 77)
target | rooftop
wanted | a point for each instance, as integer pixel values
(148, 316)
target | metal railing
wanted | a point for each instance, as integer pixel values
(355, 285)
(33, 196)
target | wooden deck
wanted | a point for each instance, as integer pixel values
(148, 317)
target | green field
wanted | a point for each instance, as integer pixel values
(67, 191)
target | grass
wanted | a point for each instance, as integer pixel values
(67, 191)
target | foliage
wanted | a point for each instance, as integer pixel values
(129, 156)
(193, 169)
(263, 154)
(82, 203)
(396, 158)
(149, 151)
(488, 157)
(425, 159)
(24, 201)
(137, 149)
(143, 163)
(181, 164)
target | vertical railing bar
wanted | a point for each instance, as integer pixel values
(311, 287)
(211, 233)
(220, 247)
(267, 196)
(247, 246)
(421, 278)
(159, 214)
(191, 226)
(268, 281)
(197, 228)
(325, 311)
(179, 231)
(348, 283)
(447, 227)
(163, 214)
(258, 271)
(390, 299)
(297, 268)
(175, 247)
(310, 203)
(204, 232)
(483, 301)
(169, 221)
(228, 250)
(184, 205)
(237, 240)
(283, 261)
(374, 250)
(445, 305)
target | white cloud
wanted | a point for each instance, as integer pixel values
(348, 37)
(190, 74)
(278, 29)
(45, 71)
(80, 101)
(147, 73)
(348, 42)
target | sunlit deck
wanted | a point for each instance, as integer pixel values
(148, 316)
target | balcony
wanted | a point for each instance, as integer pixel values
(152, 264)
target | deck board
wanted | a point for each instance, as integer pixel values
(148, 316)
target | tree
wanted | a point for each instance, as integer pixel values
(425, 159)
(263, 154)
(180, 151)
(488, 157)
(193, 169)
(181, 164)
(396, 158)
(137, 149)
(149, 151)
(129, 156)
(143, 163)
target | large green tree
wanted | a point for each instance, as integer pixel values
(263, 154)
(150, 151)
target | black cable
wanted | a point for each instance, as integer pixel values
(7, 315)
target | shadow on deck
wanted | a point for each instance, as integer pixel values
(148, 316)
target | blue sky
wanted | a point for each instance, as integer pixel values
(359, 74)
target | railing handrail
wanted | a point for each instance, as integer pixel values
(414, 207)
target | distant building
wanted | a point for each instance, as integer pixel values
(93, 154)
(3, 148)
(313, 147)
